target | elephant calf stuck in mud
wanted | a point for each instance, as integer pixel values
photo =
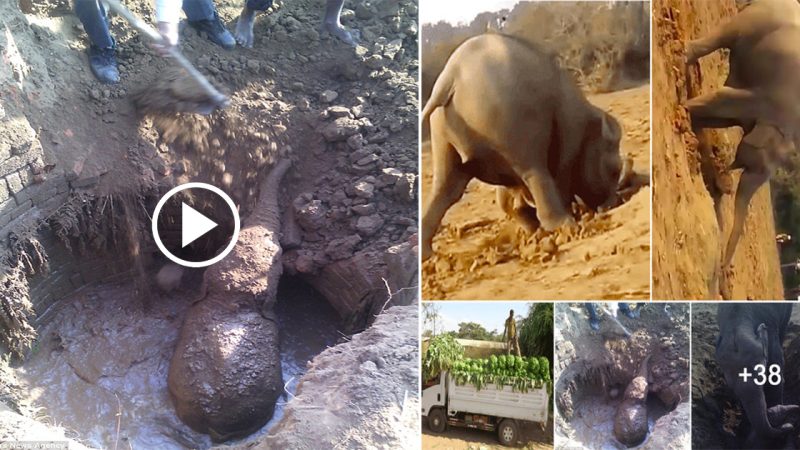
(761, 95)
(751, 335)
(503, 111)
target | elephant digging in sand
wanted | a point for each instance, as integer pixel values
(225, 375)
(751, 335)
(760, 95)
(504, 112)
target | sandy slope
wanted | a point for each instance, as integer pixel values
(478, 254)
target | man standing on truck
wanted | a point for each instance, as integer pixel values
(510, 334)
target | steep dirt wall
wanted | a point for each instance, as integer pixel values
(686, 236)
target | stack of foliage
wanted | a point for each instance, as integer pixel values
(443, 351)
(521, 373)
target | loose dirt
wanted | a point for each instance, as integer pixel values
(478, 250)
(687, 240)
(532, 434)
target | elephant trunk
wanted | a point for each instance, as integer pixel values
(755, 407)
(266, 213)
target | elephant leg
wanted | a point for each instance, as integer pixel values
(722, 37)
(748, 185)
(449, 183)
(522, 213)
(550, 208)
(726, 106)
(755, 408)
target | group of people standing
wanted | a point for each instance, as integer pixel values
(200, 14)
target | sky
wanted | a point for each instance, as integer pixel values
(462, 11)
(492, 315)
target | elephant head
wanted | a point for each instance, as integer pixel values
(601, 165)
(745, 349)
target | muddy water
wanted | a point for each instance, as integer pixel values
(100, 368)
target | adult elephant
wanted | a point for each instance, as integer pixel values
(503, 111)
(752, 335)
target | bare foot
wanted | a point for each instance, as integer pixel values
(349, 37)
(244, 28)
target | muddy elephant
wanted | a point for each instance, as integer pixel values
(225, 373)
(752, 335)
(760, 95)
(504, 112)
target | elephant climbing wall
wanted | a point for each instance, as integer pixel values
(686, 235)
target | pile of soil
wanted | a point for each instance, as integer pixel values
(478, 248)
(686, 234)
(593, 368)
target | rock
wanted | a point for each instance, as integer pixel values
(369, 225)
(549, 245)
(369, 159)
(364, 12)
(390, 176)
(404, 188)
(336, 112)
(342, 248)
(391, 49)
(169, 277)
(364, 210)
(401, 267)
(376, 62)
(356, 141)
(311, 216)
(328, 96)
(340, 129)
(363, 189)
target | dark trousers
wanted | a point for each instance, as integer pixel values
(94, 18)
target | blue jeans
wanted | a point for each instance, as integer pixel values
(94, 18)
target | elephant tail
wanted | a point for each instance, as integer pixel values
(442, 93)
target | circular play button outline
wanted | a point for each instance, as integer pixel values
(196, 185)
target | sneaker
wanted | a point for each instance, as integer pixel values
(215, 31)
(103, 62)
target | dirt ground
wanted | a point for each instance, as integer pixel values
(717, 416)
(686, 235)
(346, 116)
(593, 369)
(473, 260)
(533, 435)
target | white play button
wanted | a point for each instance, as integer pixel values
(193, 224)
(196, 225)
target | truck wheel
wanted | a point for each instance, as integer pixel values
(437, 422)
(507, 432)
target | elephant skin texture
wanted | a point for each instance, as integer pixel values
(503, 111)
(760, 95)
(225, 374)
(630, 421)
(749, 335)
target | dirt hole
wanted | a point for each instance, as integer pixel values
(104, 356)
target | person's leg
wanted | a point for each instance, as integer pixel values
(624, 308)
(102, 59)
(202, 15)
(244, 26)
(92, 15)
(332, 22)
(594, 322)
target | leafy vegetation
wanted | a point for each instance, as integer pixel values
(443, 351)
(504, 370)
(536, 331)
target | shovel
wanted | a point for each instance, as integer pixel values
(201, 98)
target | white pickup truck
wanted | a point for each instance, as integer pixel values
(490, 408)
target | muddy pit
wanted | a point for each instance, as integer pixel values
(594, 368)
(718, 420)
(100, 368)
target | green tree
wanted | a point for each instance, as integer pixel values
(472, 330)
(536, 331)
